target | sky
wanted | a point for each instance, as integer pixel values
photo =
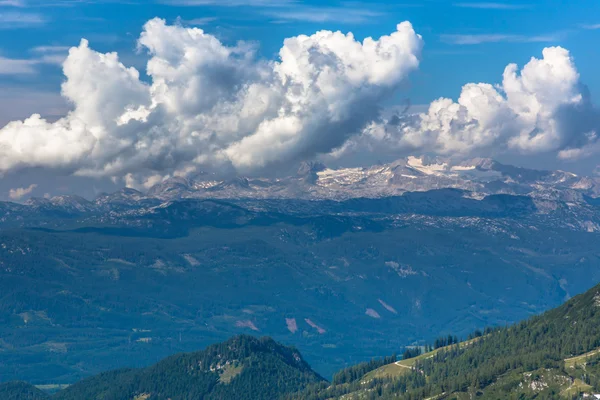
(166, 88)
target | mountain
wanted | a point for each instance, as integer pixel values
(61, 204)
(552, 356)
(243, 367)
(130, 277)
(476, 179)
(21, 391)
(314, 181)
(309, 171)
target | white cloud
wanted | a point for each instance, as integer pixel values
(12, 3)
(325, 14)
(211, 104)
(541, 109)
(229, 3)
(50, 49)
(51, 54)
(497, 38)
(291, 10)
(52, 3)
(14, 20)
(208, 105)
(54, 55)
(197, 21)
(19, 193)
(332, 86)
(493, 6)
(591, 26)
(11, 66)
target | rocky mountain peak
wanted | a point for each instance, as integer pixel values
(309, 169)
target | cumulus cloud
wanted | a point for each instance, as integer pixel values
(211, 104)
(19, 193)
(542, 108)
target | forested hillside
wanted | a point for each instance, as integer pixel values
(555, 355)
(243, 367)
(21, 391)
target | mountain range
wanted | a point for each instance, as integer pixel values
(345, 264)
(315, 181)
(551, 193)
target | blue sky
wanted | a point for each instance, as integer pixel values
(465, 41)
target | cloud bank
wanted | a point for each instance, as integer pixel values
(207, 105)
(211, 104)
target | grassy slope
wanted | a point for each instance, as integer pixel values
(572, 362)
(403, 367)
(525, 385)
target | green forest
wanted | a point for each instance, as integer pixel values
(530, 360)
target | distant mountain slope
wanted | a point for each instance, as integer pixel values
(385, 256)
(552, 356)
(241, 368)
(141, 281)
(21, 391)
(315, 181)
